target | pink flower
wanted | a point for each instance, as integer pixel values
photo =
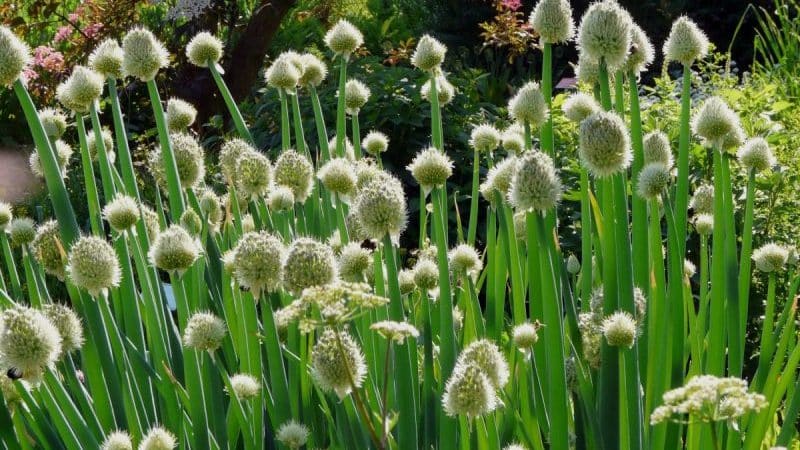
(93, 29)
(73, 17)
(48, 59)
(29, 74)
(512, 5)
(62, 34)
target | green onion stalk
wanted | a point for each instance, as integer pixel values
(176, 201)
(236, 115)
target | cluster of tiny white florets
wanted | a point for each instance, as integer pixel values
(465, 260)
(6, 216)
(525, 336)
(308, 263)
(204, 331)
(480, 371)
(653, 179)
(620, 329)
(579, 106)
(770, 257)
(375, 143)
(485, 138)
(604, 144)
(657, 149)
(158, 438)
(54, 122)
(552, 20)
(380, 207)
(641, 52)
(22, 231)
(245, 386)
(344, 38)
(68, 325)
(338, 176)
(445, 92)
(253, 175)
(755, 155)
(707, 398)
(14, 56)
(703, 199)
(292, 434)
(174, 250)
(528, 105)
(93, 265)
(80, 90)
(283, 73)
(143, 54)
(431, 168)
(63, 155)
(106, 59)
(117, 440)
(686, 42)
(535, 184)
(513, 139)
(396, 331)
(605, 33)
(356, 95)
(337, 363)
(498, 180)
(180, 114)
(294, 171)
(189, 160)
(314, 70)
(122, 212)
(258, 262)
(429, 54)
(204, 49)
(48, 249)
(29, 342)
(353, 262)
(715, 121)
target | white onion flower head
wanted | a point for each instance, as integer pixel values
(174, 250)
(144, 54)
(380, 207)
(707, 398)
(68, 325)
(339, 177)
(54, 122)
(14, 56)
(588, 70)
(703, 199)
(353, 262)
(641, 53)
(344, 38)
(485, 138)
(63, 154)
(314, 70)
(704, 224)
(48, 249)
(245, 386)
(735, 139)
(93, 265)
(106, 59)
(528, 105)
(579, 106)
(349, 150)
(117, 440)
(465, 260)
(514, 447)
(535, 184)
(294, 171)
(229, 154)
(21, 231)
(469, 392)
(620, 329)
(292, 434)
(396, 331)
(604, 144)
(714, 121)
(189, 158)
(122, 212)
(258, 262)
(308, 263)
(689, 269)
(211, 207)
(525, 336)
(653, 179)
(426, 275)
(337, 363)
(6, 215)
(657, 149)
(204, 49)
(605, 33)
(552, 20)
(755, 155)
(158, 438)
(770, 257)
(283, 74)
(180, 114)
(429, 54)
(487, 356)
(498, 180)
(356, 95)
(191, 222)
(375, 143)
(80, 90)
(254, 175)
(686, 42)
(280, 198)
(444, 89)
(29, 342)
(405, 278)
(513, 139)
(431, 168)
(204, 332)
(107, 142)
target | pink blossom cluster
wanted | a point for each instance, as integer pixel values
(47, 59)
(511, 5)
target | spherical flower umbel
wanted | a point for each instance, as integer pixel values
(396, 331)
(641, 53)
(191, 222)
(253, 175)
(755, 155)
(619, 329)
(80, 90)
(108, 144)
(68, 325)
(144, 54)
(375, 143)
(380, 207)
(180, 114)
(498, 180)
(337, 363)
(444, 90)
(770, 257)
(14, 56)
(344, 38)
(22, 231)
(314, 70)
(204, 331)
(686, 42)
(48, 249)
(714, 121)
(431, 168)
(308, 263)
(283, 74)
(117, 440)
(338, 177)
(204, 49)
(189, 159)
(707, 398)
(280, 198)
(469, 392)
(525, 336)
(6, 215)
(93, 265)
(429, 54)
(174, 250)
(579, 106)
(657, 149)
(63, 155)
(487, 356)
(245, 386)
(122, 212)
(54, 122)
(528, 105)
(258, 262)
(552, 20)
(535, 184)
(106, 59)
(513, 139)
(229, 154)
(484, 138)
(426, 275)
(29, 342)
(158, 438)
(605, 33)
(292, 434)
(294, 171)
(356, 95)
(653, 179)
(465, 260)
(703, 199)
(704, 224)
(353, 263)
(604, 145)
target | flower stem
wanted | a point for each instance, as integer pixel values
(236, 115)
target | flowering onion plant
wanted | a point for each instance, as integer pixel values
(275, 310)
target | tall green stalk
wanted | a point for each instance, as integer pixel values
(176, 202)
(638, 205)
(236, 115)
(341, 118)
(126, 163)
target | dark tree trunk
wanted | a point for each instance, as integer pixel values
(242, 62)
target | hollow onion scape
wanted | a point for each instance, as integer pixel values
(273, 307)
